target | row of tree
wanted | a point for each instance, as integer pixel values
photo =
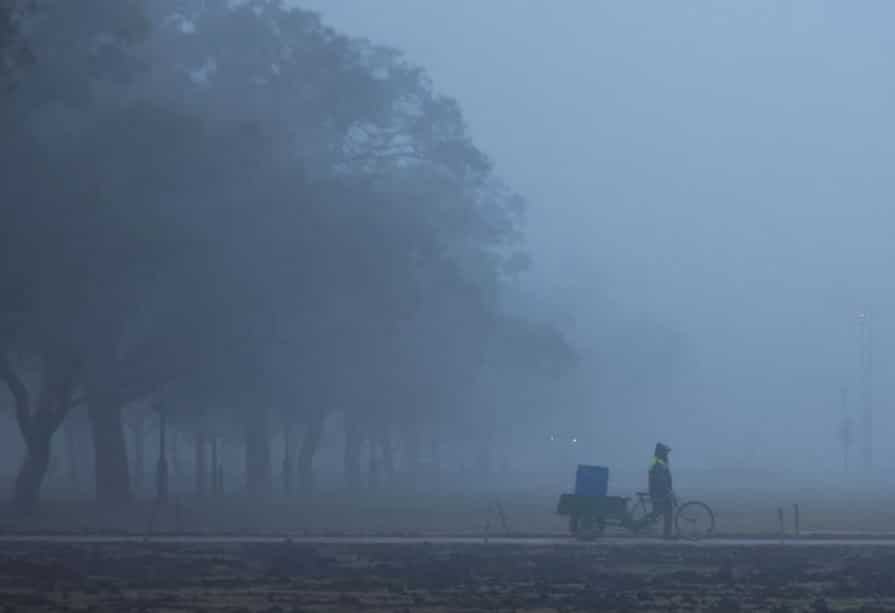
(246, 219)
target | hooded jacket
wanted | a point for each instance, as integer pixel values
(660, 484)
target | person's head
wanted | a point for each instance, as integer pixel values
(662, 451)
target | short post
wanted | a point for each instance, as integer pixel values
(780, 521)
(795, 510)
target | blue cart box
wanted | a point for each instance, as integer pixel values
(592, 481)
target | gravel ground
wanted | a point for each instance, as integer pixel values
(289, 577)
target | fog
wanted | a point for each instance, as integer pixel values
(397, 246)
(720, 169)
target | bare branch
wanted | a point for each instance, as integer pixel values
(19, 392)
(63, 397)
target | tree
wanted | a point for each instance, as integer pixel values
(273, 221)
(14, 52)
(40, 317)
(38, 419)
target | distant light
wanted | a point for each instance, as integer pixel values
(574, 440)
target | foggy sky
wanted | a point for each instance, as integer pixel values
(721, 167)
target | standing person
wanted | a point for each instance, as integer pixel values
(660, 487)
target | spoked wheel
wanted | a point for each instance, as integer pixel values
(641, 523)
(694, 521)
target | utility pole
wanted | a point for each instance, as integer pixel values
(866, 363)
(845, 427)
(161, 475)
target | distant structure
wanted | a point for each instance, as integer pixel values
(845, 429)
(865, 346)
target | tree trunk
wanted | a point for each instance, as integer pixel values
(309, 446)
(373, 480)
(175, 455)
(161, 469)
(201, 467)
(436, 461)
(258, 464)
(387, 452)
(34, 469)
(353, 442)
(71, 446)
(411, 453)
(111, 466)
(214, 466)
(137, 432)
(113, 484)
(485, 456)
(287, 460)
(36, 427)
(484, 461)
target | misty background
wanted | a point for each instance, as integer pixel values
(720, 170)
(403, 246)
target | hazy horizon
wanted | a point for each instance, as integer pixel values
(719, 169)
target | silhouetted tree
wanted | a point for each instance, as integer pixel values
(248, 217)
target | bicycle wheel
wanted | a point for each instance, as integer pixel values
(694, 520)
(641, 521)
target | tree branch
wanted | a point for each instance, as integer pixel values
(64, 398)
(19, 393)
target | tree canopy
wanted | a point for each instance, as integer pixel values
(246, 213)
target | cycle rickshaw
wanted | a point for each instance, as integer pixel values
(589, 516)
